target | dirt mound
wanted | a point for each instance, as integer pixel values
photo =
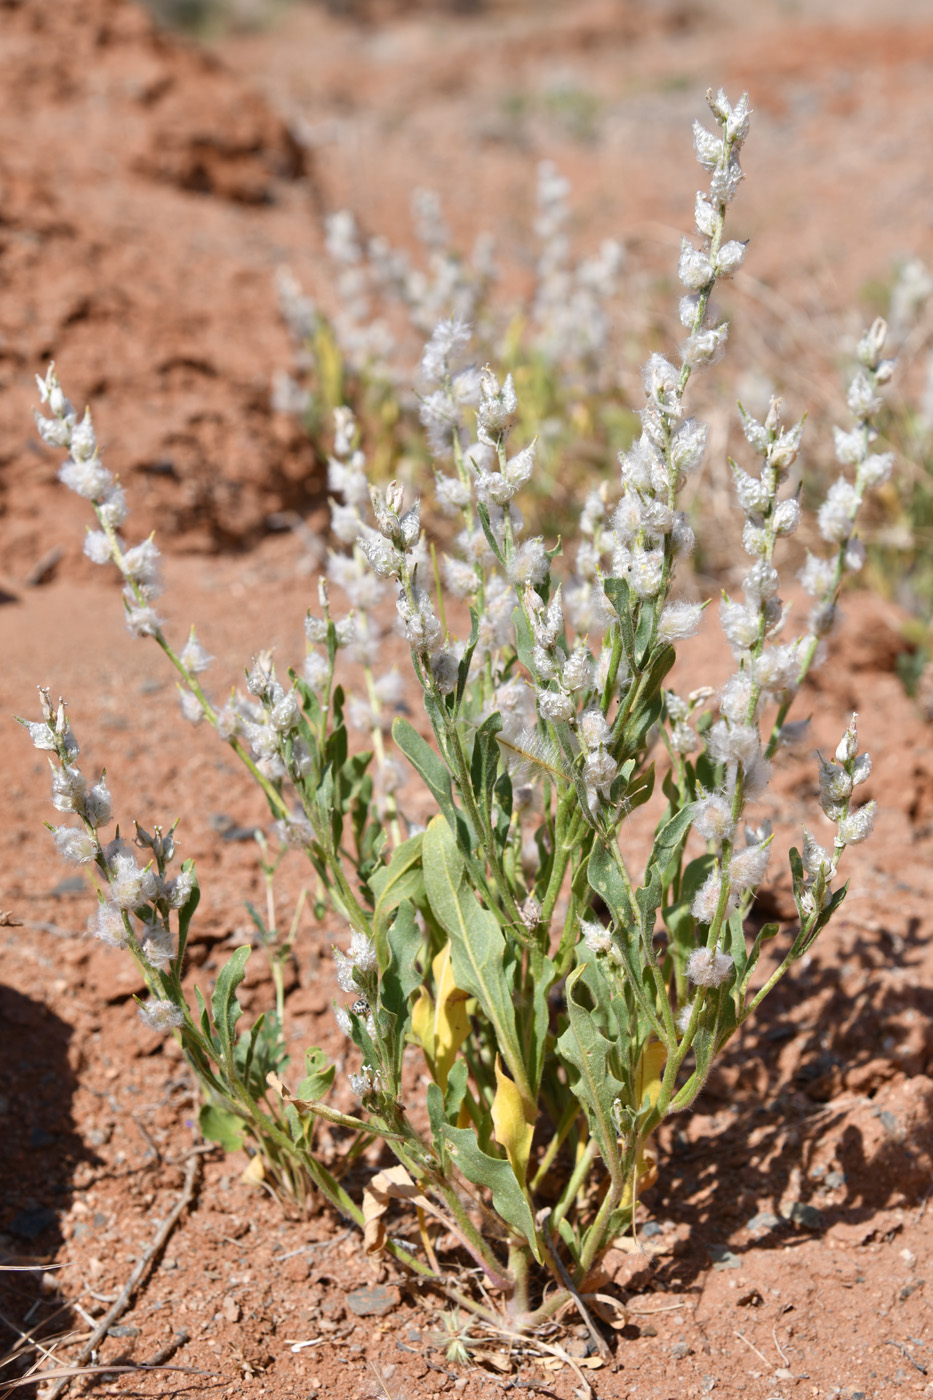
(134, 171)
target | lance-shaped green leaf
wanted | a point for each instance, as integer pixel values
(400, 879)
(310, 705)
(485, 765)
(648, 899)
(587, 1054)
(402, 975)
(186, 913)
(220, 1125)
(319, 1075)
(496, 1174)
(435, 773)
(632, 792)
(671, 834)
(537, 1025)
(437, 1118)
(524, 641)
(444, 1106)
(605, 878)
(245, 1049)
(330, 1115)
(224, 1005)
(428, 764)
(204, 1020)
(823, 918)
(478, 947)
(666, 844)
(621, 598)
(610, 1011)
(764, 934)
(463, 670)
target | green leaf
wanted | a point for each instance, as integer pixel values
(401, 879)
(495, 1173)
(648, 899)
(611, 1013)
(537, 1026)
(825, 914)
(319, 1075)
(569, 1236)
(524, 641)
(503, 819)
(204, 1019)
(463, 670)
(491, 540)
(478, 946)
(220, 1125)
(619, 595)
(438, 1120)
(456, 1090)
(734, 943)
(764, 934)
(634, 792)
(671, 834)
(704, 1041)
(186, 913)
(245, 1050)
(429, 765)
(401, 977)
(485, 764)
(336, 748)
(309, 702)
(647, 623)
(587, 1054)
(605, 878)
(224, 1005)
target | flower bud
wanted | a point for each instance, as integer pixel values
(872, 343)
(729, 258)
(695, 269)
(857, 826)
(786, 516)
(705, 216)
(847, 747)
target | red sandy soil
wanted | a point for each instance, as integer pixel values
(148, 191)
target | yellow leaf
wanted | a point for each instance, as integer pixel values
(255, 1173)
(441, 1024)
(513, 1121)
(649, 1073)
(422, 1024)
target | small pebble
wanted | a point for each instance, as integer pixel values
(804, 1215)
(761, 1223)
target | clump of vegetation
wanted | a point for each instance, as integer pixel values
(562, 1001)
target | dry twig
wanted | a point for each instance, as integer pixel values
(143, 1264)
(742, 1338)
(598, 1340)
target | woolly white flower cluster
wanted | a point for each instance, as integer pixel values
(569, 313)
(137, 901)
(821, 576)
(838, 779)
(83, 472)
